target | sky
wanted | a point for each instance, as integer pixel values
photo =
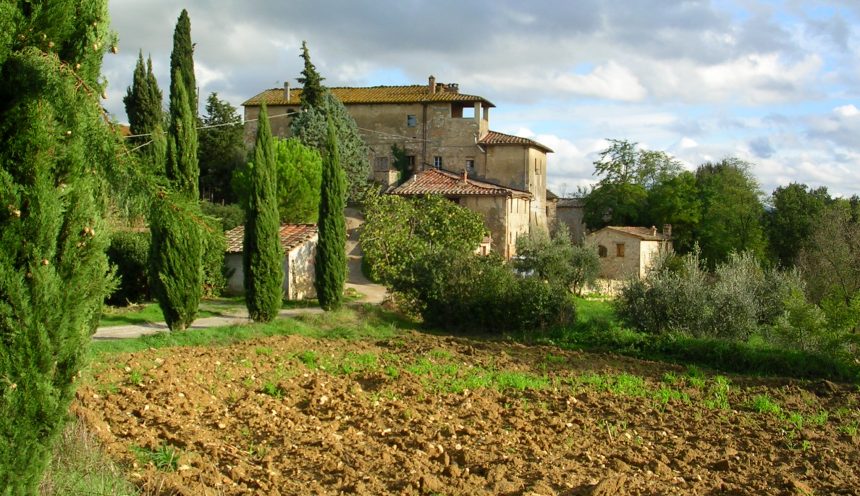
(773, 82)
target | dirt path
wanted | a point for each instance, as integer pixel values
(421, 414)
(373, 293)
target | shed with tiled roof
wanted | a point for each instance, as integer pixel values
(299, 242)
(446, 183)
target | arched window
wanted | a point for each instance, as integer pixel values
(602, 251)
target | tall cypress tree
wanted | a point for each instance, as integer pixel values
(331, 250)
(182, 58)
(53, 270)
(143, 101)
(263, 255)
(176, 250)
(312, 88)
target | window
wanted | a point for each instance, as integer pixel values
(380, 164)
(537, 167)
(468, 113)
(411, 120)
(410, 159)
(437, 162)
(602, 251)
(619, 249)
(470, 164)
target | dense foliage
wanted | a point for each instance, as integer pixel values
(310, 128)
(182, 59)
(299, 174)
(398, 231)
(739, 301)
(461, 290)
(262, 254)
(331, 250)
(129, 253)
(54, 275)
(221, 150)
(557, 260)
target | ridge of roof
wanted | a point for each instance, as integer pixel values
(413, 93)
(497, 138)
(292, 235)
(447, 183)
(644, 233)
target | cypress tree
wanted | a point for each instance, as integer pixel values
(312, 88)
(182, 168)
(54, 274)
(331, 250)
(263, 255)
(182, 58)
(176, 250)
(143, 101)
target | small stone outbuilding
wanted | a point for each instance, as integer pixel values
(627, 251)
(299, 242)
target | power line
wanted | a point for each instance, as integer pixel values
(217, 125)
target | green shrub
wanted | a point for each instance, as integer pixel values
(214, 270)
(556, 259)
(128, 252)
(463, 291)
(230, 215)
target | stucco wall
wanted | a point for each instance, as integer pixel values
(299, 283)
(493, 210)
(299, 272)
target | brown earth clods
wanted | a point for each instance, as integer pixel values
(294, 415)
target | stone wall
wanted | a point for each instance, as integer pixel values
(617, 265)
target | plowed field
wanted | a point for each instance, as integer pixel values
(423, 414)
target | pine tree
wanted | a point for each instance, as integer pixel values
(311, 81)
(263, 255)
(54, 274)
(176, 250)
(331, 250)
(182, 58)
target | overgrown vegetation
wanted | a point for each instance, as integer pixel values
(557, 260)
(54, 275)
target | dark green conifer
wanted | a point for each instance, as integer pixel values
(182, 58)
(263, 255)
(312, 89)
(176, 251)
(56, 145)
(143, 101)
(331, 250)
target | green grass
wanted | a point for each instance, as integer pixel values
(151, 313)
(80, 466)
(347, 323)
(762, 403)
(164, 457)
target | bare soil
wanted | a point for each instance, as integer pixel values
(293, 415)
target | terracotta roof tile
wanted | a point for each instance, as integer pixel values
(644, 233)
(373, 94)
(497, 138)
(442, 182)
(292, 235)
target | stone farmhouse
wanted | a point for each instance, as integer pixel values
(449, 144)
(627, 251)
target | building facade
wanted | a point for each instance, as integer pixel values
(627, 251)
(440, 129)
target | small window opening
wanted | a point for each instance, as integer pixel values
(411, 121)
(619, 249)
(437, 162)
(602, 251)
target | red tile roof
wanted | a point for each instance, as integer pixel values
(292, 235)
(497, 138)
(374, 94)
(442, 182)
(645, 233)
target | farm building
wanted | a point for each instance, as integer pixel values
(627, 251)
(299, 242)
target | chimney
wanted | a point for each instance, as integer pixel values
(432, 81)
(465, 176)
(653, 230)
(287, 91)
(454, 88)
(667, 230)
